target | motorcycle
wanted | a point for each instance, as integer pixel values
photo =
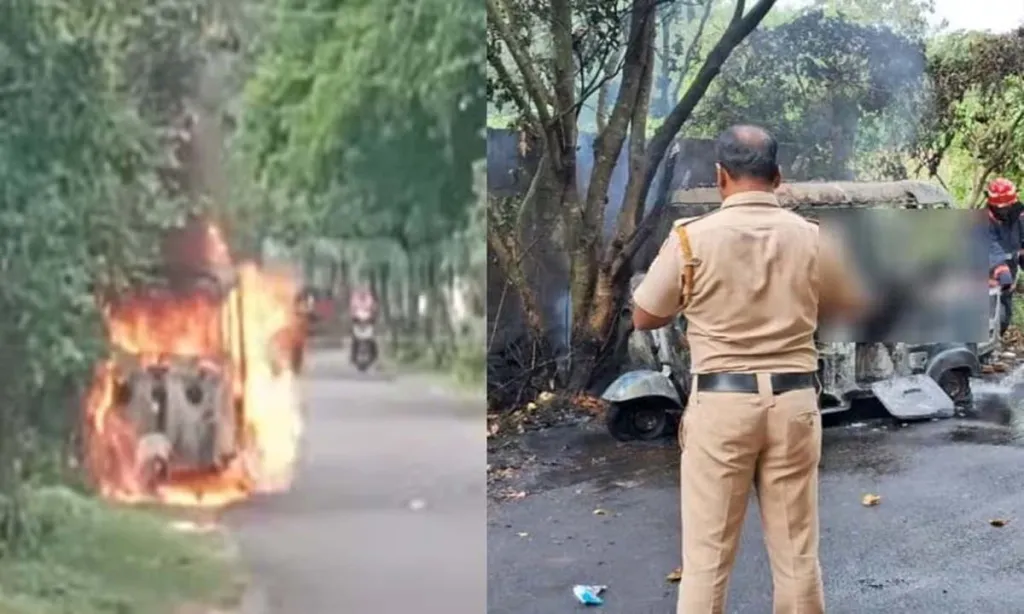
(364, 341)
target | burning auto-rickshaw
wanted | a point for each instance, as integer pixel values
(911, 380)
(196, 403)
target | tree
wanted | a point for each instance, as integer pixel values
(89, 91)
(827, 85)
(546, 59)
(341, 106)
(977, 109)
(362, 124)
(908, 18)
(677, 46)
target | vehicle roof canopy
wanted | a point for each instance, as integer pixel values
(827, 194)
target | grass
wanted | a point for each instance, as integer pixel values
(464, 370)
(1017, 319)
(88, 557)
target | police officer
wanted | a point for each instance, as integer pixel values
(751, 279)
(1006, 232)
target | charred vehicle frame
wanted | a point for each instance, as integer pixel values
(912, 381)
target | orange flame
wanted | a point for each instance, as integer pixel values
(246, 338)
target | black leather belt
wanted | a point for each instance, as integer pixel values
(747, 382)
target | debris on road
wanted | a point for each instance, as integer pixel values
(548, 410)
(600, 512)
(510, 495)
(675, 575)
(589, 594)
(998, 522)
(417, 504)
(870, 500)
(523, 534)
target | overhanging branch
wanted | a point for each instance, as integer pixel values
(739, 28)
(531, 80)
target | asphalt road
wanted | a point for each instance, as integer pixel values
(928, 547)
(387, 512)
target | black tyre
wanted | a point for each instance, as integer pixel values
(644, 420)
(957, 384)
(649, 422)
(619, 422)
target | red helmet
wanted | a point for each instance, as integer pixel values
(1001, 192)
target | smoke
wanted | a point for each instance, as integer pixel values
(847, 95)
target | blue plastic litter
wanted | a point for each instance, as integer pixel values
(589, 594)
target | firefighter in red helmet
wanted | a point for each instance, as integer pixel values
(1006, 230)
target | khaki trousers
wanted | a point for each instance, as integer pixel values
(732, 441)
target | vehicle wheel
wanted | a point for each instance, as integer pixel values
(957, 384)
(619, 422)
(637, 420)
(649, 421)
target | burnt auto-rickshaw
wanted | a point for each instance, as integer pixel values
(911, 380)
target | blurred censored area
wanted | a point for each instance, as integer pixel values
(925, 271)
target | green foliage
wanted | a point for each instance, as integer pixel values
(975, 126)
(89, 558)
(908, 18)
(364, 118)
(83, 201)
(829, 85)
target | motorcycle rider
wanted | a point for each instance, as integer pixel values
(362, 309)
(1006, 234)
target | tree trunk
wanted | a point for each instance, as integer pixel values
(845, 117)
(387, 306)
(598, 273)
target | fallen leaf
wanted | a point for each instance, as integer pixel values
(600, 512)
(545, 396)
(998, 522)
(870, 500)
(675, 575)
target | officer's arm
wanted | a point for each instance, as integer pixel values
(656, 299)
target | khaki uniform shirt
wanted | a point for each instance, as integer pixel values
(762, 277)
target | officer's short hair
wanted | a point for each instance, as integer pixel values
(748, 151)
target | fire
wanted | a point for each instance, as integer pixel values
(199, 403)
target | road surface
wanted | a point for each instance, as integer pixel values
(387, 512)
(928, 547)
